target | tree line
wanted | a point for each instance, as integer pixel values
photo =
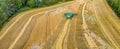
(115, 4)
(9, 7)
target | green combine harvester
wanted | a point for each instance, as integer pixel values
(69, 15)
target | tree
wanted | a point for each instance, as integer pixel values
(18, 3)
(24, 2)
(46, 2)
(38, 3)
(3, 16)
(31, 3)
